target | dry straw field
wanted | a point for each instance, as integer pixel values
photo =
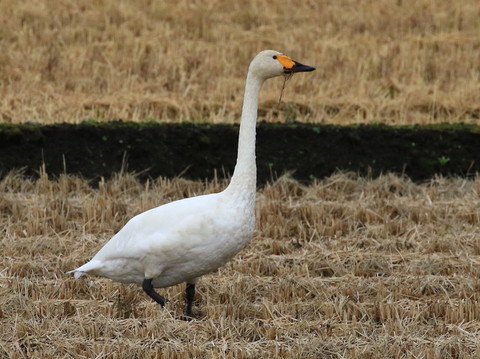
(346, 267)
(392, 61)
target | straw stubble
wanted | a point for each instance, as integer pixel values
(346, 267)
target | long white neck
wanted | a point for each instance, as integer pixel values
(244, 179)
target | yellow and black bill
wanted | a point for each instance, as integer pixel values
(291, 66)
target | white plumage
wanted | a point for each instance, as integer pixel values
(176, 242)
(183, 240)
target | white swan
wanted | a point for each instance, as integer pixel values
(183, 240)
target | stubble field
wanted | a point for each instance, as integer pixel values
(346, 267)
(390, 61)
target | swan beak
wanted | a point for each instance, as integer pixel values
(298, 67)
(290, 66)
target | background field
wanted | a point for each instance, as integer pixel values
(402, 61)
(344, 268)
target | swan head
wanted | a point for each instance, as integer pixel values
(270, 63)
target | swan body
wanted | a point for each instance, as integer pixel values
(176, 242)
(183, 240)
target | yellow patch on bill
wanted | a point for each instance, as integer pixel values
(285, 61)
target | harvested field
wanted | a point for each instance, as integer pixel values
(346, 267)
(391, 61)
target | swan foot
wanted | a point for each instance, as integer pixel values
(148, 288)
(189, 295)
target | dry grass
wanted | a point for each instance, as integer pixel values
(344, 268)
(392, 61)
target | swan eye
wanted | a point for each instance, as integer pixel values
(274, 57)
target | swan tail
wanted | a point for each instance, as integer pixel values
(77, 274)
(87, 267)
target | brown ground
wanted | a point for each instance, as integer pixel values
(392, 61)
(344, 268)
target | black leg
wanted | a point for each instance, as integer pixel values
(148, 288)
(189, 294)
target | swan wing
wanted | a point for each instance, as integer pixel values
(185, 238)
